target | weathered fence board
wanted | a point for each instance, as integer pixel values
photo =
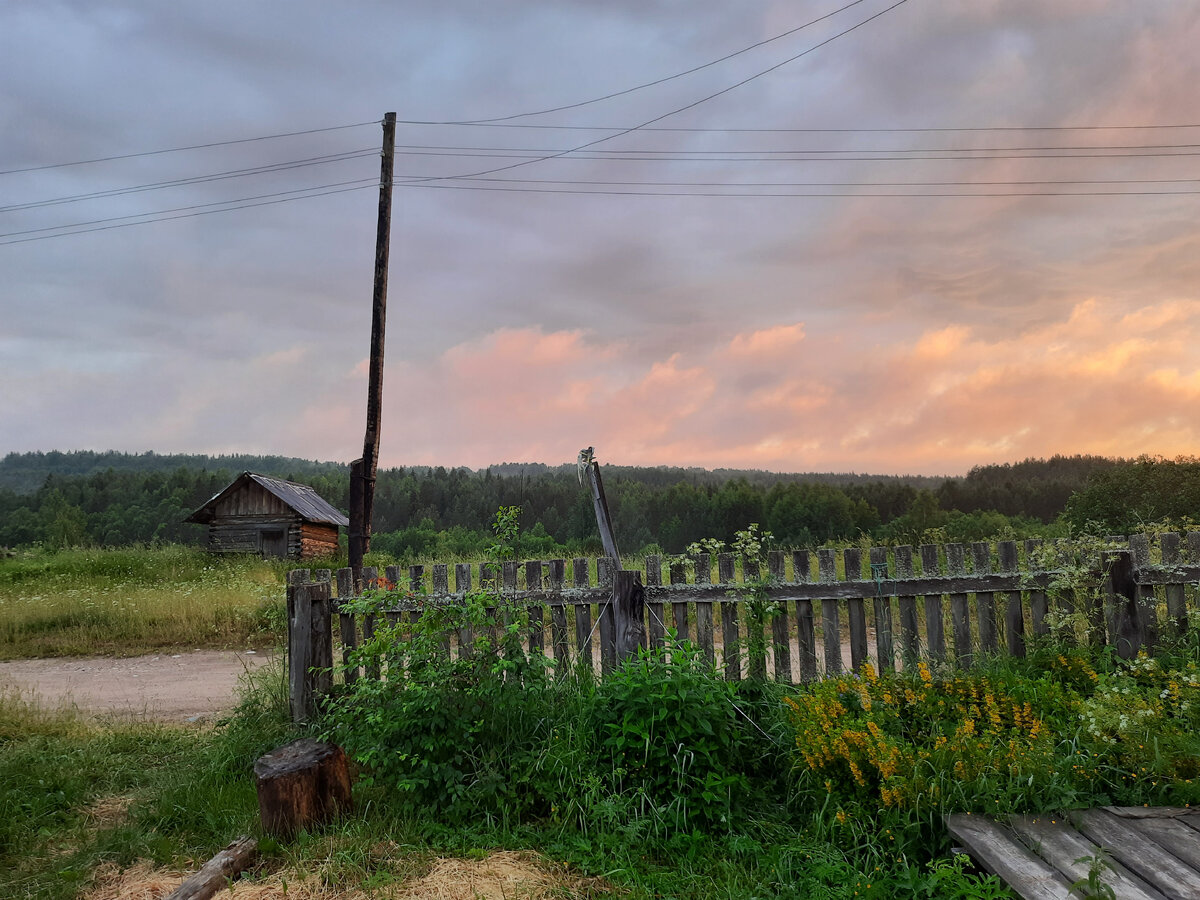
(988, 610)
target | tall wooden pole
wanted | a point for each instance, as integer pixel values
(362, 471)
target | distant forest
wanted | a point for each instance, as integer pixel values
(85, 498)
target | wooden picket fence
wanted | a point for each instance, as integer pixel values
(818, 613)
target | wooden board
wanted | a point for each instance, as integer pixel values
(998, 850)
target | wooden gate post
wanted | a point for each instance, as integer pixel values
(629, 609)
(1121, 596)
(310, 648)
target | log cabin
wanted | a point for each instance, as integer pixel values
(271, 517)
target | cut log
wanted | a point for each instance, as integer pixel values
(302, 784)
(215, 874)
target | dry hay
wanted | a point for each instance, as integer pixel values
(107, 812)
(503, 875)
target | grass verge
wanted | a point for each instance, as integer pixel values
(126, 602)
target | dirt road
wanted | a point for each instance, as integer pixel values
(174, 687)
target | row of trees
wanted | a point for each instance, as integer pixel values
(438, 511)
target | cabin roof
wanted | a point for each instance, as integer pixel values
(301, 498)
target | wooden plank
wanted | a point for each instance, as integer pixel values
(831, 630)
(489, 582)
(1139, 545)
(679, 610)
(535, 581)
(910, 628)
(935, 637)
(629, 614)
(704, 608)
(1173, 836)
(462, 585)
(731, 655)
(856, 610)
(1014, 614)
(806, 644)
(370, 575)
(1038, 606)
(1055, 841)
(780, 632)
(985, 601)
(1140, 853)
(583, 614)
(607, 620)
(347, 625)
(300, 653)
(1177, 616)
(656, 626)
(756, 639)
(556, 576)
(998, 851)
(960, 611)
(884, 650)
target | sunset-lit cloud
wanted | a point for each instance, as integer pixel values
(950, 302)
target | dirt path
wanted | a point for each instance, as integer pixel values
(172, 687)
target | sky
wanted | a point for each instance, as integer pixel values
(904, 238)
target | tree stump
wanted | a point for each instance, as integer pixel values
(302, 784)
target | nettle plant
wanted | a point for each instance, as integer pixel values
(442, 729)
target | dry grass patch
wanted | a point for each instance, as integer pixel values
(504, 875)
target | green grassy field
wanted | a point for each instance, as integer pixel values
(124, 602)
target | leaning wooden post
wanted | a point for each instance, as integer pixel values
(629, 606)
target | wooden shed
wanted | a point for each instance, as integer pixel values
(271, 517)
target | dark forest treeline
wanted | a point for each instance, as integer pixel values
(113, 499)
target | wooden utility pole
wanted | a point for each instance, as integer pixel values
(362, 471)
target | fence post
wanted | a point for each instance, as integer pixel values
(1121, 593)
(629, 606)
(310, 648)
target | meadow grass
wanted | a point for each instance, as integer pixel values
(129, 601)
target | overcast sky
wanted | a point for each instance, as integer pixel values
(546, 306)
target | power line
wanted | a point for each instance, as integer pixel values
(261, 137)
(360, 182)
(716, 156)
(718, 130)
(198, 179)
(693, 104)
(1017, 183)
(851, 195)
(657, 81)
(676, 152)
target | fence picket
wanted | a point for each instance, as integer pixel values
(780, 633)
(370, 576)
(347, 625)
(534, 581)
(935, 633)
(583, 614)
(679, 610)
(806, 643)
(884, 648)
(856, 610)
(1014, 614)
(830, 627)
(1038, 606)
(985, 601)
(1176, 603)
(960, 611)
(910, 628)
(656, 627)
(605, 569)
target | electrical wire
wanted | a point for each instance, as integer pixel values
(198, 179)
(159, 214)
(249, 140)
(480, 187)
(695, 103)
(702, 130)
(657, 81)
